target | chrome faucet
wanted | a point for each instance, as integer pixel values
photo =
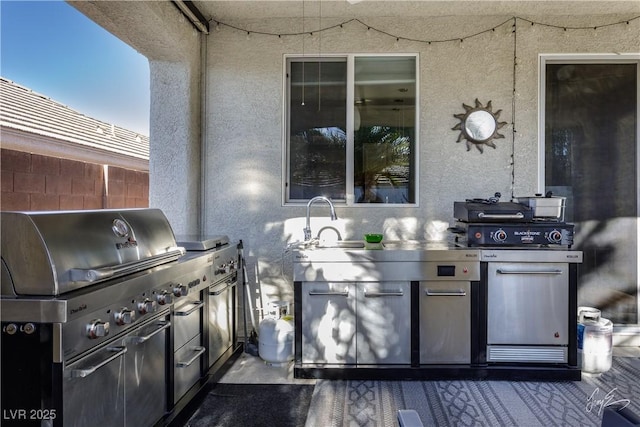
(307, 229)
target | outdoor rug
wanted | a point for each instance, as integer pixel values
(240, 405)
(477, 403)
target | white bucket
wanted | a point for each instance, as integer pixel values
(597, 346)
(277, 309)
(275, 340)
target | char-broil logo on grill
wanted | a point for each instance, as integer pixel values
(121, 229)
(78, 309)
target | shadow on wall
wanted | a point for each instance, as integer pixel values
(608, 276)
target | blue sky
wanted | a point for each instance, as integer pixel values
(51, 48)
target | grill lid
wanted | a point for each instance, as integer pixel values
(51, 253)
(473, 211)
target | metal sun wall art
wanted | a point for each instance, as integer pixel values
(479, 125)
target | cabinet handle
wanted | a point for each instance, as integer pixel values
(199, 352)
(218, 292)
(447, 293)
(344, 293)
(161, 327)
(196, 306)
(368, 294)
(503, 271)
(81, 373)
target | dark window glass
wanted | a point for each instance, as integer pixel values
(591, 158)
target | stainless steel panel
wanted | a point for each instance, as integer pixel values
(219, 318)
(145, 381)
(528, 354)
(392, 251)
(383, 328)
(445, 322)
(328, 323)
(468, 270)
(528, 303)
(51, 253)
(187, 321)
(33, 310)
(187, 366)
(530, 255)
(93, 389)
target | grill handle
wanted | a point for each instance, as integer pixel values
(518, 215)
(81, 373)
(447, 293)
(196, 306)
(97, 274)
(162, 327)
(199, 352)
(503, 271)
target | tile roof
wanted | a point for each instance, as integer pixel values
(24, 110)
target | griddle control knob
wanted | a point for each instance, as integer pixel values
(500, 235)
(554, 236)
(97, 328)
(164, 298)
(180, 290)
(124, 317)
(146, 306)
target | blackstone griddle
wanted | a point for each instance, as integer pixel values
(472, 211)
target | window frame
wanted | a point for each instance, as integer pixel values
(349, 201)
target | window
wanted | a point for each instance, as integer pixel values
(351, 129)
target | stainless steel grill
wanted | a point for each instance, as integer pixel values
(86, 302)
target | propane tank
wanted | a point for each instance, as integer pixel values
(589, 315)
(276, 340)
(595, 341)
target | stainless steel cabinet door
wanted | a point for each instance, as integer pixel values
(528, 303)
(445, 322)
(328, 323)
(219, 320)
(383, 330)
(146, 382)
(93, 389)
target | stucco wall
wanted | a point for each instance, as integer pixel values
(244, 143)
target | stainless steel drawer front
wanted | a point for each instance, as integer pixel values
(445, 322)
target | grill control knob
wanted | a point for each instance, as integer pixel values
(554, 236)
(164, 298)
(10, 329)
(124, 317)
(146, 306)
(97, 329)
(180, 290)
(500, 235)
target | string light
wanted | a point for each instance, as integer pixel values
(398, 38)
